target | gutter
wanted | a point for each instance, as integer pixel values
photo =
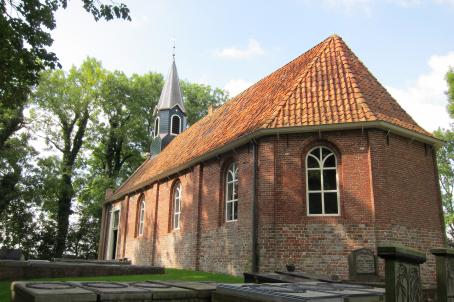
(285, 130)
(255, 221)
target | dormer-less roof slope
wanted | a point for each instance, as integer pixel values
(326, 88)
(171, 92)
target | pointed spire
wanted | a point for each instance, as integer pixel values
(171, 93)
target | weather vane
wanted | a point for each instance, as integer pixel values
(173, 53)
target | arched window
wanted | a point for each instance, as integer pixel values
(175, 124)
(321, 182)
(231, 193)
(177, 198)
(156, 127)
(141, 216)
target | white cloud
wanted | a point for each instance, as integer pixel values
(350, 6)
(367, 6)
(425, 99)
(446, 2)
(253, 49)
(405, 3)
(236, 86)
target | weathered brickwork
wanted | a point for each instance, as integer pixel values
(406, 196)
(388, 194)
(226, 246)
(313, 244)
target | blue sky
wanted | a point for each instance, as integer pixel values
(407, 44)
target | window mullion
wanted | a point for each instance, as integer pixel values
(321, 186)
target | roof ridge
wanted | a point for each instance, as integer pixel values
(373, 114)
(298, 81)
(340, 44)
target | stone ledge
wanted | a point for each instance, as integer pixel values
(17, 270)
(447, 252)
(405, 254)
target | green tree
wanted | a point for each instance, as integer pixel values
(17, 196)
(445, 161)
(64, 105)
(121, 136)
(450, 80)
(25, 38)
(198, 98)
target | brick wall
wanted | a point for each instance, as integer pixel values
(388, 192)
(313, 244)
(406, 194)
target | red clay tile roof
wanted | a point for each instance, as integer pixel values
(326, 85)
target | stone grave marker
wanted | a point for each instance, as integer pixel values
(49, 292)
(115, 291)
(362, 265)
(11, 254)
(445, 274)
(402, 273)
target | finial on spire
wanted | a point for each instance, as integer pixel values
(173, 52)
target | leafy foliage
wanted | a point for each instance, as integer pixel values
(445, 160)
(450, 80)
(65, 103)
(96, 125)
(198, 98)
(25, 38)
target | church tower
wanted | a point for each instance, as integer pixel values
(170, 115)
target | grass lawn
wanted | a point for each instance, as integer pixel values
(171, 274)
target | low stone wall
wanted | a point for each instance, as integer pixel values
(19, 270)
(116, 262)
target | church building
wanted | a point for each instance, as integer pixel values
(310, 163)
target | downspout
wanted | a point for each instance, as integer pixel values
(199, 218)
(255, 222)
(155, 226)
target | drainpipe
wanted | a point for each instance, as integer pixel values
(155, 226)
(199, 218)
(255, 221)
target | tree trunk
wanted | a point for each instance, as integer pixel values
(64, 210)
(70, 152)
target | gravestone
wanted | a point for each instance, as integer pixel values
(11, 254)
(26, 291)
(362, 264)
(312, 291)
(402, 273)
(445, 274)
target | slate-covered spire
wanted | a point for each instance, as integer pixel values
(170, 116)
(171, 93)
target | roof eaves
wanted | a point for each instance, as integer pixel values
(386, 126)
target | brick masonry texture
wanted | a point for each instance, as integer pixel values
(388, 194)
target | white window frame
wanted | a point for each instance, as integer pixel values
(171, 124)
(141, 219)
(156, 129)
(110, 242)
(233, 170)
(177, 198)
(321, 168)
